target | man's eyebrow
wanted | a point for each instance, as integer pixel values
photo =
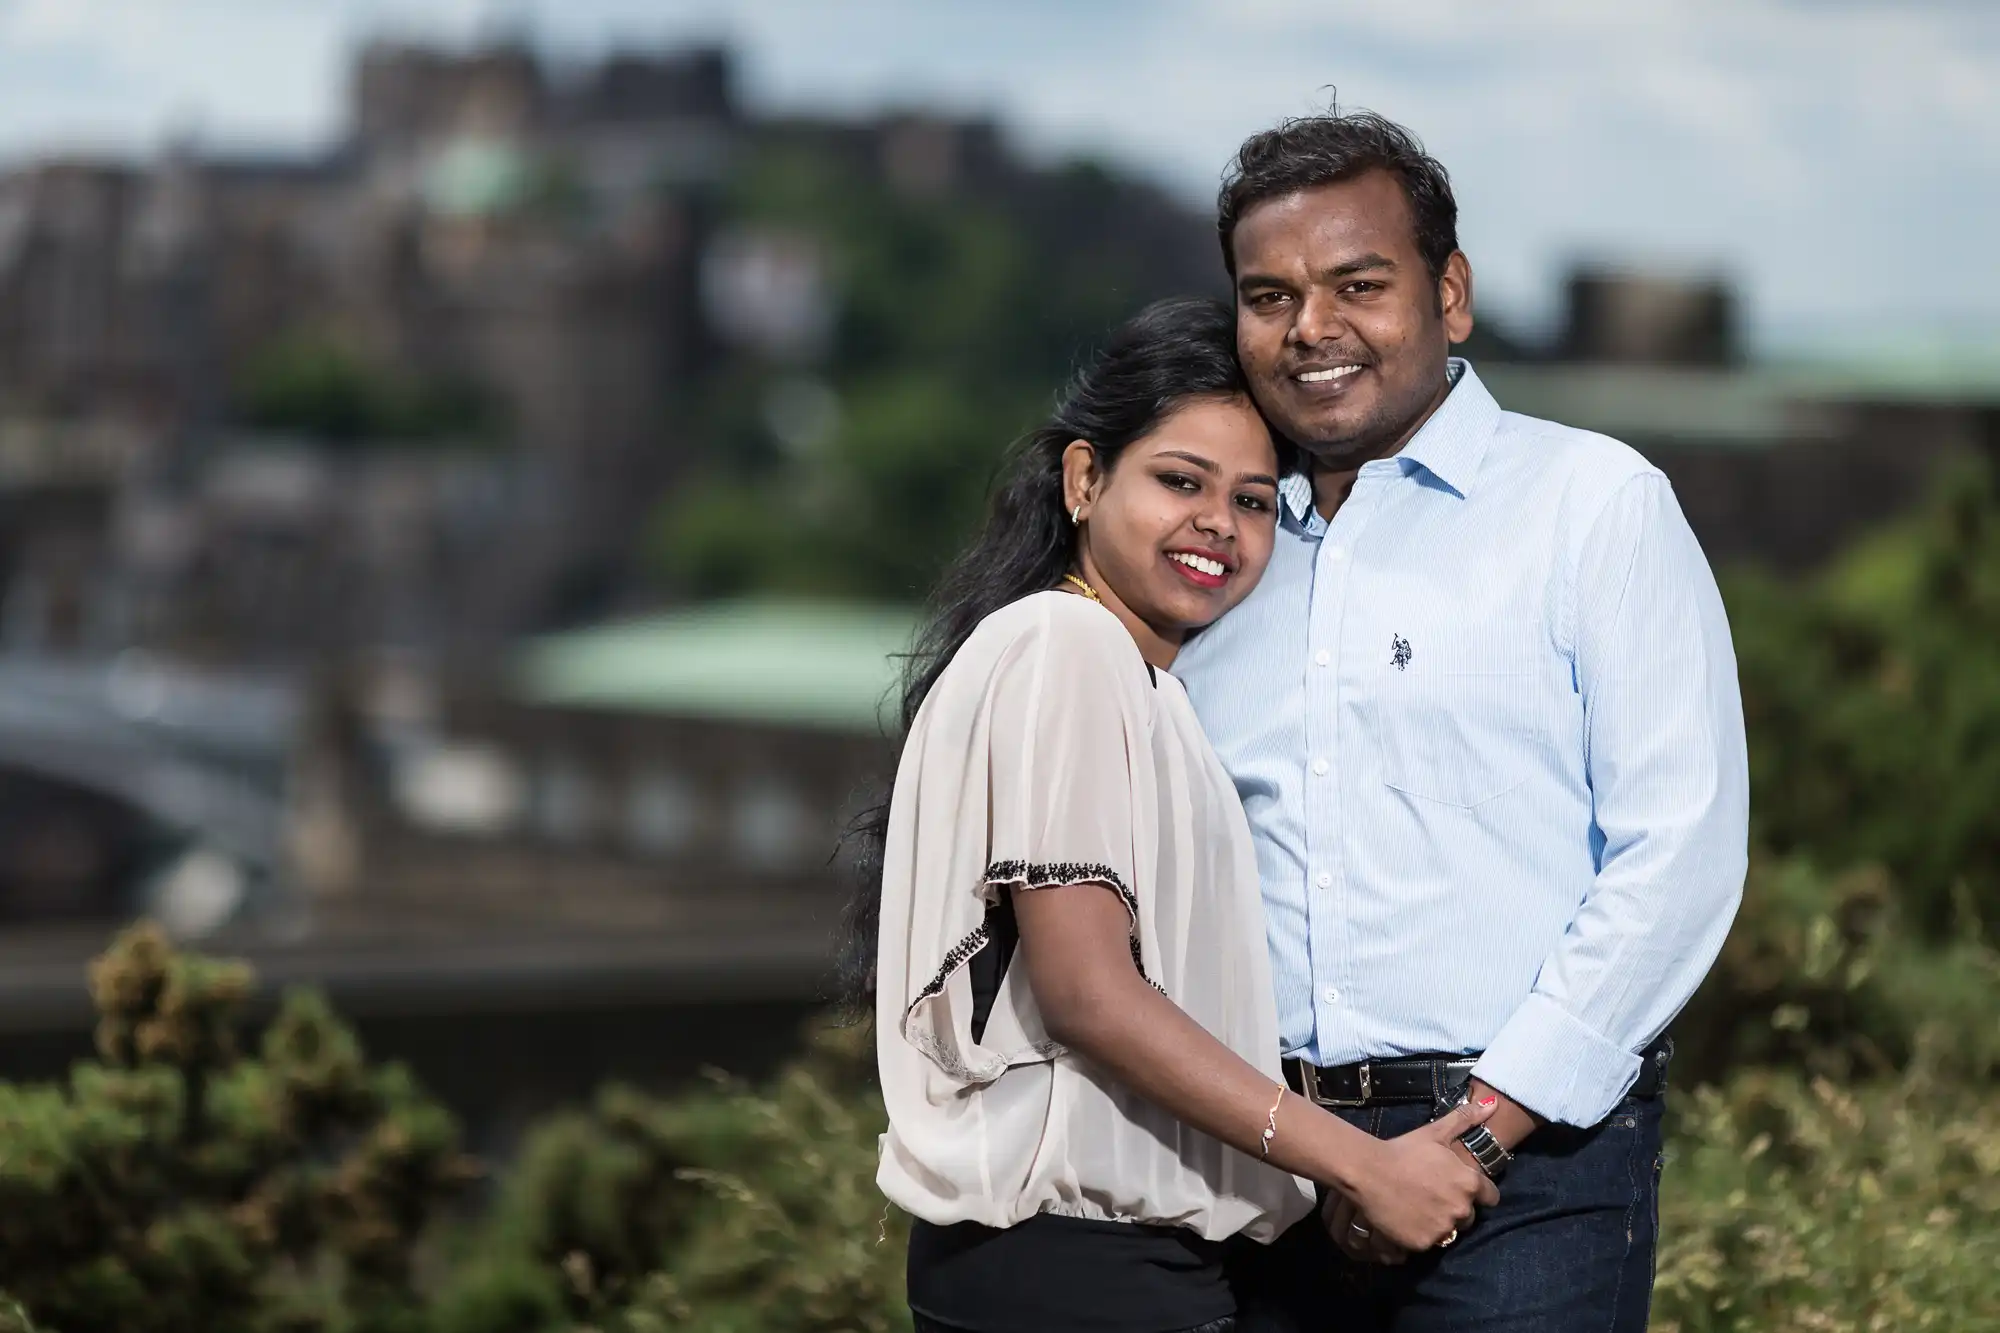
(1345, 269)
(1359, 264)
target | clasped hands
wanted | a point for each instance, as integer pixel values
(1361, 1239)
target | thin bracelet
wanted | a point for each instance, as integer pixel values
(1271, 1124)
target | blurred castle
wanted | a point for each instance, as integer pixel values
(482, 225)
(501, 293)
(536, 261)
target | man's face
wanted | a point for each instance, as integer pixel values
(1340, 328)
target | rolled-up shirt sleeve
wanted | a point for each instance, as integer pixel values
(1668, 772)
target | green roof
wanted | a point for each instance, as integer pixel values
(1947, 366)
(476, 177)
(800, 663)
(1755, 405)
(1722, 406)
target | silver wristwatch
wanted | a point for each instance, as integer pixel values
(1485, 1149)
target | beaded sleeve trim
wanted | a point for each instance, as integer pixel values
(945, 1058)
(1057, 874)
(1030, 875)
(956, 957)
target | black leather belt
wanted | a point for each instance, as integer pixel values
(1433, 1079)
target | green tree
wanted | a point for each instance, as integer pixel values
(315, 387)
(1872, 696)
(959, 314)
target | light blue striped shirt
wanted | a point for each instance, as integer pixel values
(1486, 726)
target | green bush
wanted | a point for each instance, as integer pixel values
(175, 1185)
(726, 1209)
(1795, 1206)
(1834, 1178)
(1824, 974)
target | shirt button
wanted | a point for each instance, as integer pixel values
(1322, 657)
(1331, 994)
(1319, 767)
(1326, 881)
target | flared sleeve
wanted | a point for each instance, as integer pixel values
(1050, 786)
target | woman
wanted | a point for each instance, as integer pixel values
(1075, 1028)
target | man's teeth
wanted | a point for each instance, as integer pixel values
(1199, 563)
(1322, 376)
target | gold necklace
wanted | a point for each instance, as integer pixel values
(1084, 588)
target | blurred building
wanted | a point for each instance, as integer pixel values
(426, 388)
(483, 225)
(268, 424)
(697, 761)
(1616, 316)
(1773, 463)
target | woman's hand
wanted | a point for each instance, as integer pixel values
(1419, 1189)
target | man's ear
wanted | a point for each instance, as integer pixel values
(1455, 297)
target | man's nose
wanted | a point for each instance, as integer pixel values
(1319, 319)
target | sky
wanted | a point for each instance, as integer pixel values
(1838, 159)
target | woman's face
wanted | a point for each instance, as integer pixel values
(1181, 529)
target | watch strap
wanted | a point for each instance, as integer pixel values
(1486, 1150)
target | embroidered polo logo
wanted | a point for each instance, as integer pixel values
(1399, 652)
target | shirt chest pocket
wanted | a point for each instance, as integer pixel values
(1457, 708)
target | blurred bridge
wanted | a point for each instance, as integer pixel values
(202, 753)
(612, 860)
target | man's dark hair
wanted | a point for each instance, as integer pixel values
(1322, 150)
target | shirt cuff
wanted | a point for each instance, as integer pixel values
(1557, 1066)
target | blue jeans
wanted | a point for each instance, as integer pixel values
(1569, 1247)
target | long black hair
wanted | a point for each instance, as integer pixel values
(1169, 354)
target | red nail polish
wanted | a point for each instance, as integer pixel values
(1488, 1101)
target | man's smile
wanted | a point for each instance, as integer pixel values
(1325, 376)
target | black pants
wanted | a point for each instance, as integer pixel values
(1219, 1325)
(1056, 1274)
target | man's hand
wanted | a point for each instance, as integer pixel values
(1511, 1124)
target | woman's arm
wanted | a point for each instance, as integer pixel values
(1075, 945)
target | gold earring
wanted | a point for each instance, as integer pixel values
(1076, 516)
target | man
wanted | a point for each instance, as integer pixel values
(1483, 715)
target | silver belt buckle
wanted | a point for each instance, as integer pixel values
(1309, 1075)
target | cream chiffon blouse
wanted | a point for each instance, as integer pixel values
(1047, 755)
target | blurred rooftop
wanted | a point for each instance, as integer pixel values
(1751, 406)
(789, 662)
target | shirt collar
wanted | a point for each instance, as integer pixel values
(1450, 445)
